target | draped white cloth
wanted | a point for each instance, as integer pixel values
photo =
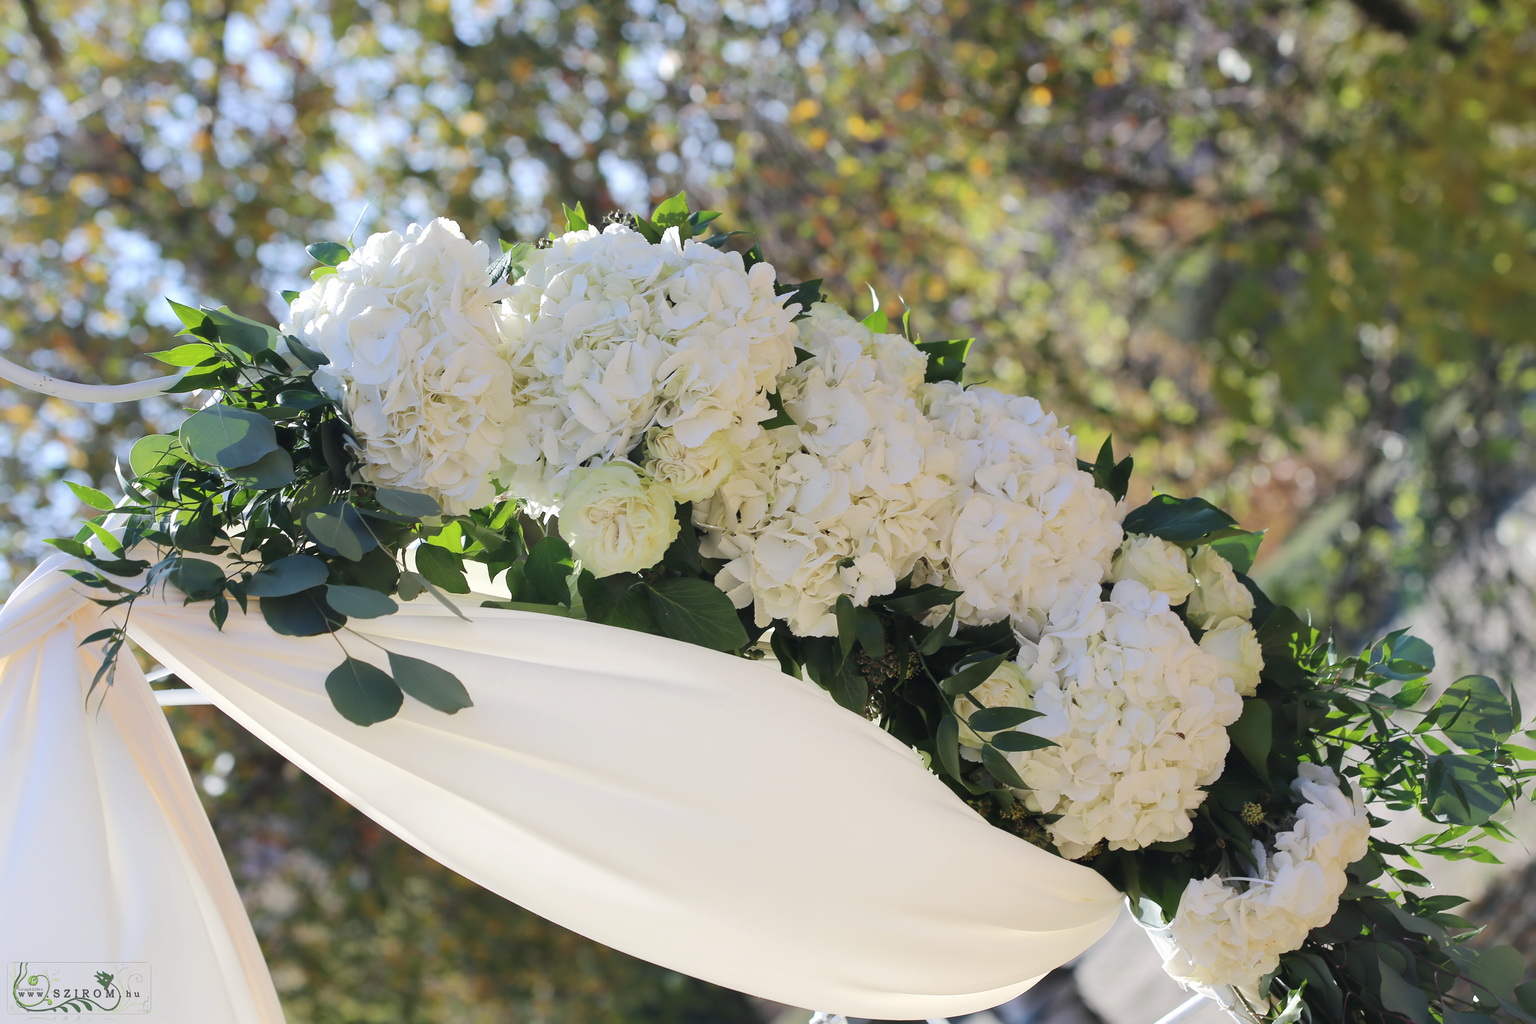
(700, 811)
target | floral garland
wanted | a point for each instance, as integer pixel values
(643, 427)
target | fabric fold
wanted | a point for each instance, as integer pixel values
(108, 865)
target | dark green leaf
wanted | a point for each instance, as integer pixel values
(548, 571)
(341, 530)
(301, 400)
(1400, 997)
(1500, 970)
(1179, 520)
(91, 496)
(1253, 735)
(442, 568)
(1525, 994)
(780, 417)
(934, 639)
(997, 763)
(1017, 741)
(223, 436)
(946, 359)
(1464, 790)
(947, 740)
(849, 688)
(696, 612)
(805, 295)
(289, 295)
(996, 719)
(329, 254)
(971, 676)
(268, 473)
(198, 578)
(408, 503)
(410, 586)
(301, 614)
(359, 602)
(914, 604)
(363, 693)
(435, 687)
(287, 576)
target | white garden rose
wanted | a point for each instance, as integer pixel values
(1235, 646)
(617, 519)
(1004, 688)
(690, 473)
(407, 324)
(1155, 563)
(1218, 593)
(1232, 932)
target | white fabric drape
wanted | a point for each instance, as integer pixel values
(700, 811)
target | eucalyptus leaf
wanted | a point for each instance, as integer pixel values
(221, 435)
(286, 576)
(271, 471)
(1474, 714)
(408, 503)
(434, 686)
(1463, 789)
(329, 254)
(359, 602)
(243, 333)
(341, 528)
(193, 353)
(91, 496)
(363, 693)
(303, 614)
(155, 453)
(197, 578)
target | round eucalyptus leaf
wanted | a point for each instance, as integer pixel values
(155, 453)
(224, 436)
(198, 578)
(301, 614)
(358, 602)
(287, 576)
(433, 686)
(271, 471)
(363, 693)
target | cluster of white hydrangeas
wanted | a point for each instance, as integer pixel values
(613, 340)
(1218, 601)
(1029, 536)
(1233, 931)
(846, 500)
(1139, 715)
(407, 323)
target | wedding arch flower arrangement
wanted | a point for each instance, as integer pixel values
(642, 426)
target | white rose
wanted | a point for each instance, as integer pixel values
(1005, 688)
(617, 519)
(1218, 594)
(1157, 564)
(691, 473)
(1235, 647)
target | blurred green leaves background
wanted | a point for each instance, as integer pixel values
(1280, 250)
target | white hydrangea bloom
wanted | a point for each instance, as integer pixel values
(407, 324)
(1139, 714)
(1027, 531)
(1219, 594)
(610, 336)
(1232, 932)
(1157, 564)
(842, 503)
(1235, 646)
